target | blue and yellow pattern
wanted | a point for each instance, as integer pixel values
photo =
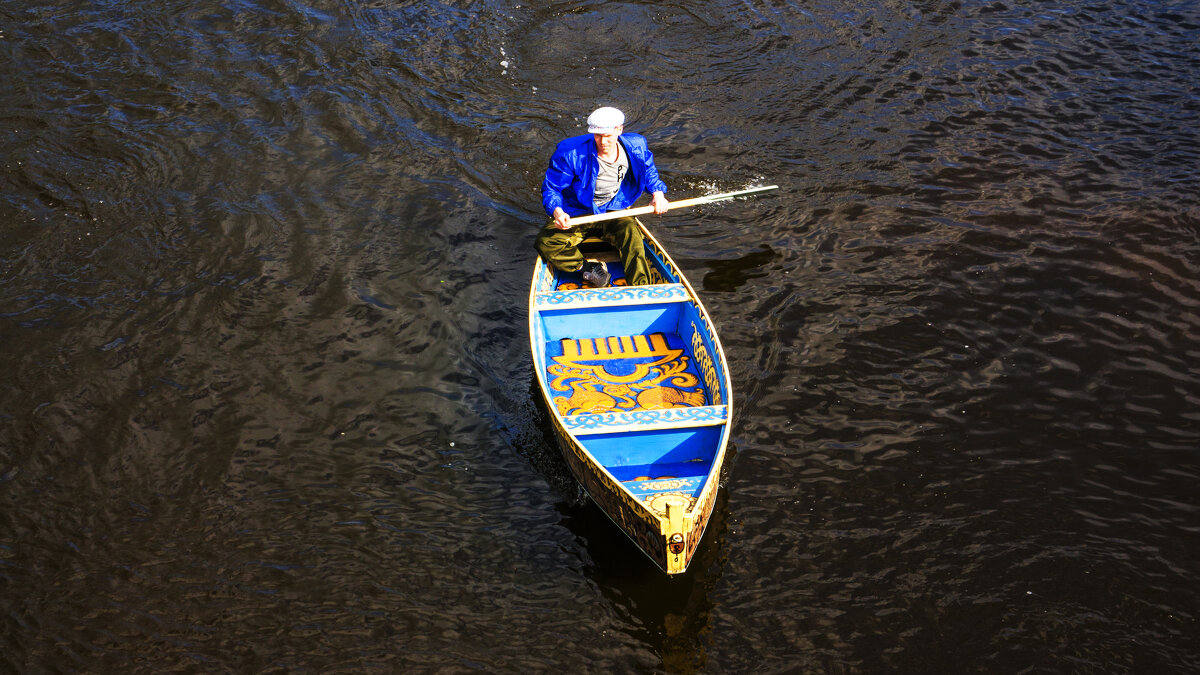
(586, 423)
(621, 295)
(622, 374)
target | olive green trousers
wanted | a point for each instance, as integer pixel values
(560, 248)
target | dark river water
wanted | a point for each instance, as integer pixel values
(267, 399)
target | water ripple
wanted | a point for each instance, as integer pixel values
(270, 402)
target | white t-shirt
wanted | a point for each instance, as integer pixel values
(608, 181)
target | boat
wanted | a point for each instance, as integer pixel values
(638, 395)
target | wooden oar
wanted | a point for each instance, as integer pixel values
(683, 203)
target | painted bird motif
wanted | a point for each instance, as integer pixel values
(657, 398)
(584, 399)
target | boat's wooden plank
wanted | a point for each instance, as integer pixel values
(613, 295)
(641, 420)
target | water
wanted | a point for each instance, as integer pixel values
(267, 398)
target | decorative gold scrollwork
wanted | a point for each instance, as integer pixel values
(659, 378)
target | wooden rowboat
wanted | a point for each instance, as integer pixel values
(639, 397)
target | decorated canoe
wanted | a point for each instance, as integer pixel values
(639, 397)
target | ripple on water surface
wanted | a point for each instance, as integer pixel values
(264, 270)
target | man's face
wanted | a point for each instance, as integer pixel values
(606, 142)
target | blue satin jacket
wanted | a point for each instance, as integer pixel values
(571, 176)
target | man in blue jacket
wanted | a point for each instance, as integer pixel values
(603, 170)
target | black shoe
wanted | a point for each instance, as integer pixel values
(596, 274)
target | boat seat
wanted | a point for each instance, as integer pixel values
(665, 418)
(651, 479)
(613, 295)
(650, 486)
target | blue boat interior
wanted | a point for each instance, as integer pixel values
(594, 250)
(653, 456)
(600, 251)
(566, 281)
(621, 358)
(580, 323)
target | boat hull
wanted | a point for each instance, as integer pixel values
(636, 385)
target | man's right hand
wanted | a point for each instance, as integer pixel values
(561, 220)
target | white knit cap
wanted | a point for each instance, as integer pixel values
(605, 120)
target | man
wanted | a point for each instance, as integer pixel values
(603, 170)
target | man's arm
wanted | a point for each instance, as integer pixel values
(654, 184)
(559, 175)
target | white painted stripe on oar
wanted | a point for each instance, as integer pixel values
(683, 203)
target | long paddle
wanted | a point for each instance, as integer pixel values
(683, 203)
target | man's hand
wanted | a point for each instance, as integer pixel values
(561, 220)
(659, 201)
